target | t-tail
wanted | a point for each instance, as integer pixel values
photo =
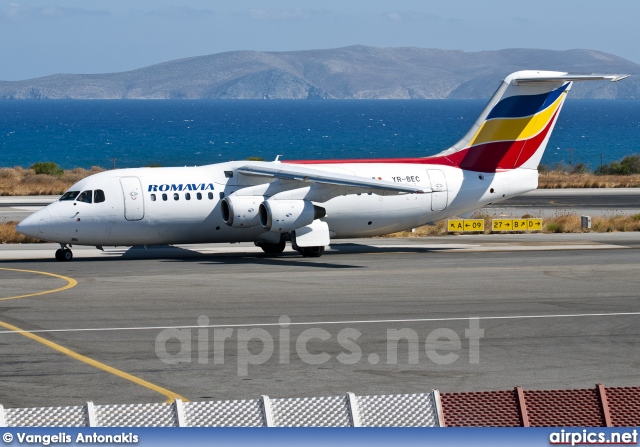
(514, 128)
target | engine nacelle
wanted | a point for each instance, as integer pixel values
(241, 211)
(287, 215)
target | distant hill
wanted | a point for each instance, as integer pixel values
(356, 72)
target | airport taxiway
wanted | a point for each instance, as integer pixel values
(579, 201)
(556, 311)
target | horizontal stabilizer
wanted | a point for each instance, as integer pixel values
(569, 77)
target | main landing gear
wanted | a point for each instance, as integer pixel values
(307, 252)
(276, 249)
(273, 249)
(64, 254)
(311, 252)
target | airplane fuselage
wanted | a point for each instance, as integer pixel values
(146, 206)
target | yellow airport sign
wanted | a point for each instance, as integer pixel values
(533, 224)
(455, 225)
(502, 224)
(473, 224)
(462, 225)
(519, 224)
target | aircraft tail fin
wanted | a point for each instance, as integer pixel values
(513, 129)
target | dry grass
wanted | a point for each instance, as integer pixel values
(569, 223)
(601, 224)
(438, 229)
(558, 179)
(25, 182)
(9, 235)
(19, 181)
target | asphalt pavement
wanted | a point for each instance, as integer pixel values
(372, 316)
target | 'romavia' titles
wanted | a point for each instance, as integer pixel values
(182, 187)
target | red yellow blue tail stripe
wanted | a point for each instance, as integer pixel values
(515, 129)
(520, 106)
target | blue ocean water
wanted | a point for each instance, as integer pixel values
(180, 133)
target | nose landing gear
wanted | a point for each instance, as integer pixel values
(64, 254)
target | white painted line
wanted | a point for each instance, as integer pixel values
(499, 247)
(540, 247)
(313, 323)
(27, 208)
(28, 199)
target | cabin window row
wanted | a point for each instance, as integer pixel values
(176, 196)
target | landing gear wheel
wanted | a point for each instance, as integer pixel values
(273, 249)
(311, 252)
(67, 255)
(64, 254)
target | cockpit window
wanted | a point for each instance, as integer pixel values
(98, 196)
(69, 195)
(85, 196)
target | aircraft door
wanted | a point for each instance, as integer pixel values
(439, 196)
(133, 198)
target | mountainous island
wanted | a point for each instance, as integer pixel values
(355, 72)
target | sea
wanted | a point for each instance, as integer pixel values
(134, 133)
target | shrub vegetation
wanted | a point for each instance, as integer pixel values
(629, 165)
(47, 168)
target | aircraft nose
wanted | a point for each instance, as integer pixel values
(34, 224)
(30, 226)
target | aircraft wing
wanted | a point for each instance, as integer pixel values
(303, 174)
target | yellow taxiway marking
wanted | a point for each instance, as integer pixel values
(70, 283)
(96, 364)
(82, 358)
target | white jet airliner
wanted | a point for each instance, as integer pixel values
(311, 202)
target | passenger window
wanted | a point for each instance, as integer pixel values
(199, 196)
(69, 195)
(98, 196)
(210, 196)
(85, 197)
(164, 197)
(176, 196)
(187, 196)
(153, 197)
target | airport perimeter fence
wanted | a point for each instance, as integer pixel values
(596, 407)
(404, 410)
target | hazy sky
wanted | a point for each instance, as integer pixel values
(42, 37)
